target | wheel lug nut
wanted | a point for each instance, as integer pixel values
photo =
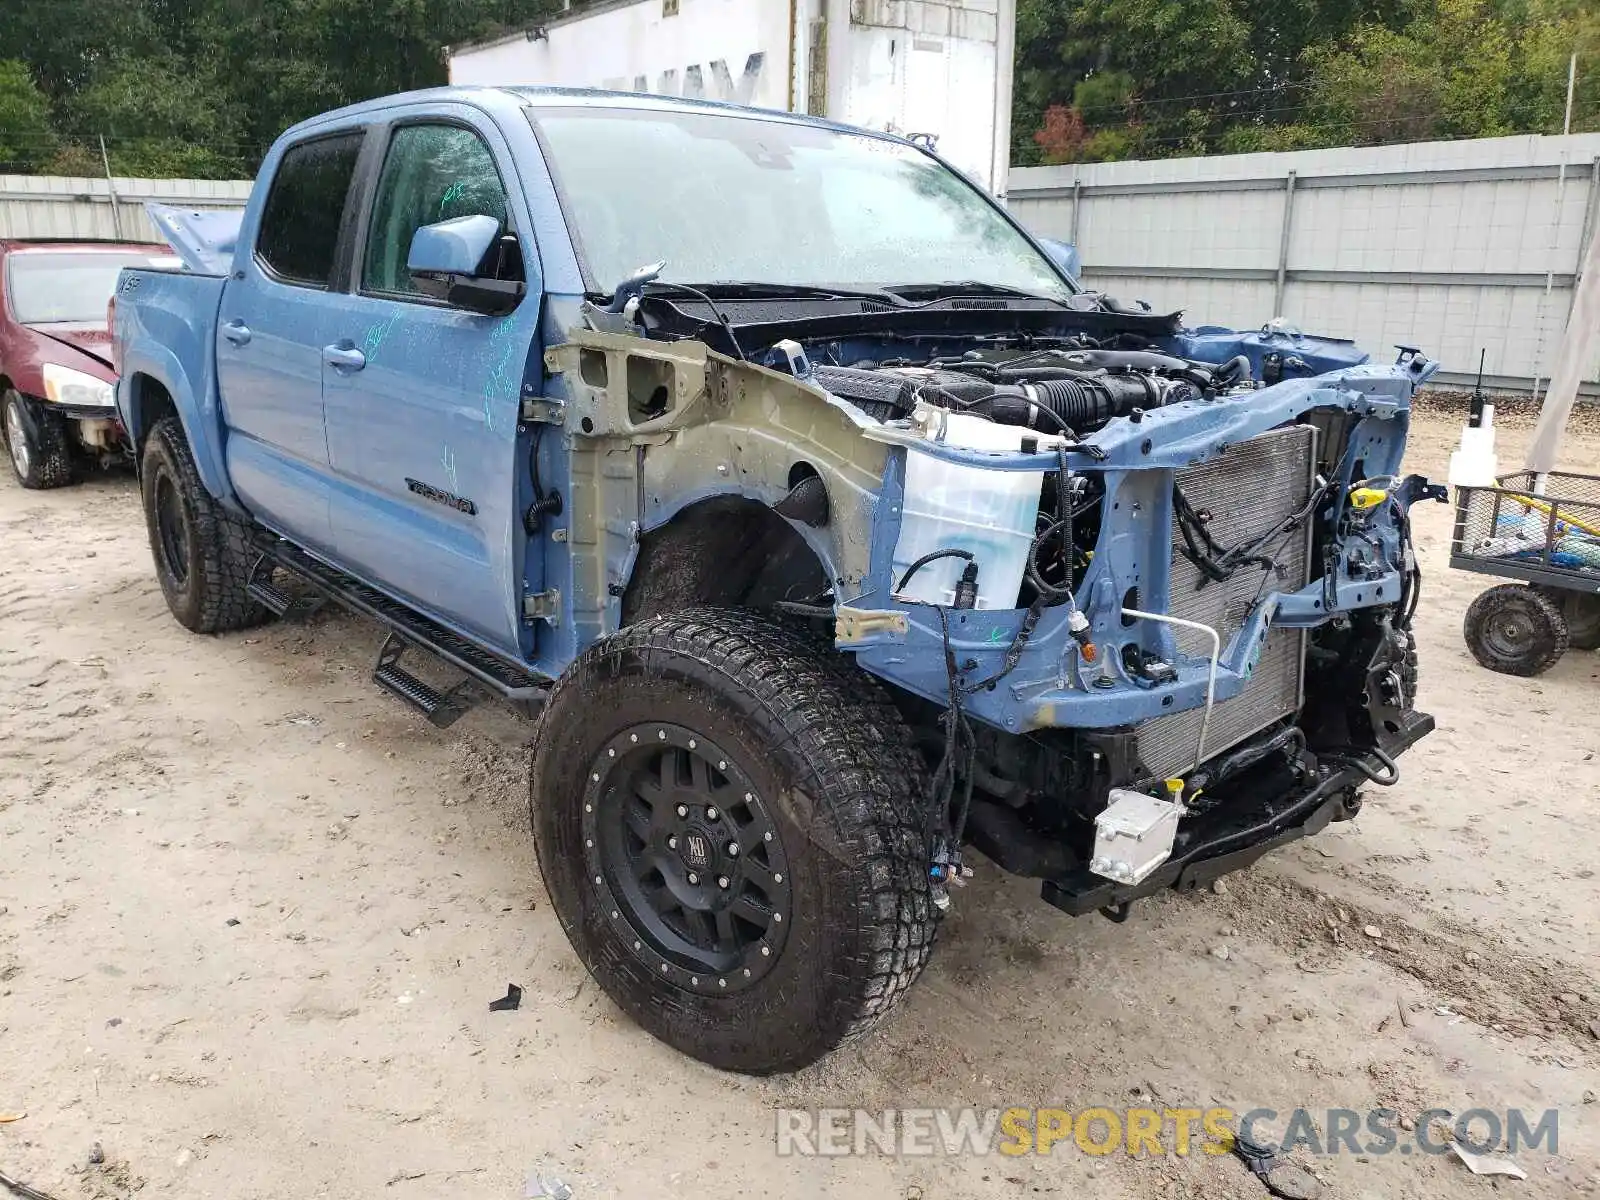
(672, 843)
(693, 878)
(711, 814)
(683, 810)
(722, 881)
(733, 849)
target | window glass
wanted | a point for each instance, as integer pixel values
(729, 197)
(70, 286)
(300, 228)
(432, 173)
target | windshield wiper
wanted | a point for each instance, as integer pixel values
(934, 292)
(737, 289)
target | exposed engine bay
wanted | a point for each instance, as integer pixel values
(1068, 391)
(1283, 512)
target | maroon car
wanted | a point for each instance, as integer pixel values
(57, 401)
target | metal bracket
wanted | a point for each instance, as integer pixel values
(542, 606)
(853, 625)
(542, 411)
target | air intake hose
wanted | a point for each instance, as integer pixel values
(1089, 401)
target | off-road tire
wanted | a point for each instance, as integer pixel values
(47, 445)
(1581, 612)
(1516, 630)
(1410, 671)
(210, 547)
(835, 765)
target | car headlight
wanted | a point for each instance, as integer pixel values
(63, 385)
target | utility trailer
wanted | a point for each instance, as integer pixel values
(1544, 532)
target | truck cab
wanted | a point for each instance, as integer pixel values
(828, 526)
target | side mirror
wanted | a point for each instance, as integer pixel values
(1065, 256)
(447, 261)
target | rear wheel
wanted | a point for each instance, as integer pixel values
(1581, 612)
(1516, 630)
(202, 551)
(728, 819)
(37, 442)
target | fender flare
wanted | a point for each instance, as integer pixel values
(196, 409)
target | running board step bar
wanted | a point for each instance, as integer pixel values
(274, 599)
(503, 676)
(442, 709)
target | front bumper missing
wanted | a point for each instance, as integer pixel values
(1234, 844)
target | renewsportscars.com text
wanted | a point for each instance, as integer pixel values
(912, 1132)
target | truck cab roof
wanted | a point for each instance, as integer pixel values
(522, 96)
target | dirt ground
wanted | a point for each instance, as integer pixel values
(252, 911)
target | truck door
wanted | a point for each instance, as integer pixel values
(279, 309)
(422, 396)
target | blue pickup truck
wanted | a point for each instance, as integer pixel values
(828, 527)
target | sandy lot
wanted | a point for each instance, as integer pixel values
(252, 911)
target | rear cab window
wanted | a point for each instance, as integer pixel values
(299, 237)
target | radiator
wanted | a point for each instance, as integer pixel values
(1247, 490)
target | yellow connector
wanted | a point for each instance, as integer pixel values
(1367, 497)
(1174, 789)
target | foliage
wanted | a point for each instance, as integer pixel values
(1100, 79)
(26, 139)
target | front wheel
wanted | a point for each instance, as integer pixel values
(729, 821)
(1515, 630)
(36, 439)
(201, 550)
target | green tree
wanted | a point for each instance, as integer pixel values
(161, 116)
(1163, 77)
(26, 137)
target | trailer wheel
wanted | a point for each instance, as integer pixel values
(1515, 630)
(1581, 612)
(36, 438)
(201, 550)
(728, 819)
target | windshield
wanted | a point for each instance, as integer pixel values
(726, 198)
(70, 286)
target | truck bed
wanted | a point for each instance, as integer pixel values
(165, 328)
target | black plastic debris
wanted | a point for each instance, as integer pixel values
(232, 921)
(510, 1002)
(1281, 1177)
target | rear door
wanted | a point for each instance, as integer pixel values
(422, 409)
(280, 308)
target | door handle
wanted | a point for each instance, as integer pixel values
(237, 332)
(343, 358)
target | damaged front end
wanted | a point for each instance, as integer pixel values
(1207, 652)
(1150, 613)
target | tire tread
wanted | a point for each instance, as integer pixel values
(51, 465)
(858, 762)
(223, 541)
(1550, 630)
